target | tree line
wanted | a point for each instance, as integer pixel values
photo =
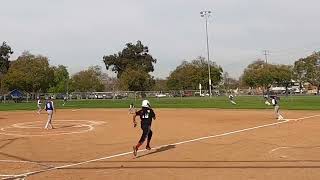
(304, 70)
(133, 67)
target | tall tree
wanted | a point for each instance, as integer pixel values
(136, 80)
(88, 80)
(308, 69)
(188, 75)
(5, 52)
(60, 79)
(30, 73)
(283, 75)
(133, 56)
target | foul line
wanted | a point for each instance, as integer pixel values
(178, 143)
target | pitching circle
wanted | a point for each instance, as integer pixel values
(62, 127)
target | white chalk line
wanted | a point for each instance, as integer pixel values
(20, 161)
(178, 143)
(278, 148)
(33, 125)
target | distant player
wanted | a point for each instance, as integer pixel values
(275, 104)
(132, 109)
(266, 100)
(39, 105)
(146, 115)
(49, 107)
(65, 99)
(231, 99)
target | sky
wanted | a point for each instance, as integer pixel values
(78, 33)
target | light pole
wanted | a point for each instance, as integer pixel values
(206, 15)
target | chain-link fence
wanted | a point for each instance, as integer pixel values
(133, 95)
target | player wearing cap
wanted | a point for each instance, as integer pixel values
(146, 115)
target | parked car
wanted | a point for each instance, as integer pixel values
(60, 96)
(161, 95)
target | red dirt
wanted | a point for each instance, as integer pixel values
(283, 151)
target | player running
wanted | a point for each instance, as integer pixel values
(39, 105)
(49, 107)
(231, 99)
(275, 104)
(146, 115)
(132, 109)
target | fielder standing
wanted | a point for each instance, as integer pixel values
(49, 108)
(39, 105)
(146, 115)
(275, 104)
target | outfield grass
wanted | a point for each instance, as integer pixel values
(243, 102)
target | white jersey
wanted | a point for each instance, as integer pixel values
(39, 102)
(274, 102)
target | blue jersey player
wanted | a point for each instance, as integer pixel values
(49, 107)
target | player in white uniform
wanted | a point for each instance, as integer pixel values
(64, 100)
(231, 99)
(39, 105)
(132, 109)
(49, 107)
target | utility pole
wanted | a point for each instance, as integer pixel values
(266, 53)
(206, 15)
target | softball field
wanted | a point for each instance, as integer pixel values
(187, 144)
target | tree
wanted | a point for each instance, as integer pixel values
(88, 80)
(283, 75)
(60, 79)
(299, 72)
(160, 85)
(135, 80)
(308, 69)
(29, 73)
(260, 74)
(5, 52)
(188, 75)
(133, 56)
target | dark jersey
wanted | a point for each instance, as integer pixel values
(49, 105)
(146, 115)
(275, 102)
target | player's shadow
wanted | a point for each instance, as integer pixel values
(161, 149)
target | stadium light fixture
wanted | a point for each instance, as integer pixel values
(206, 15)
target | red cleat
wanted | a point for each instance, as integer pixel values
(135, 150)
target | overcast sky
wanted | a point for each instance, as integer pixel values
(78, 33)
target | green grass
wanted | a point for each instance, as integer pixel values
(243, 102)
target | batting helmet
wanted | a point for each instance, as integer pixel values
(145, 103)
